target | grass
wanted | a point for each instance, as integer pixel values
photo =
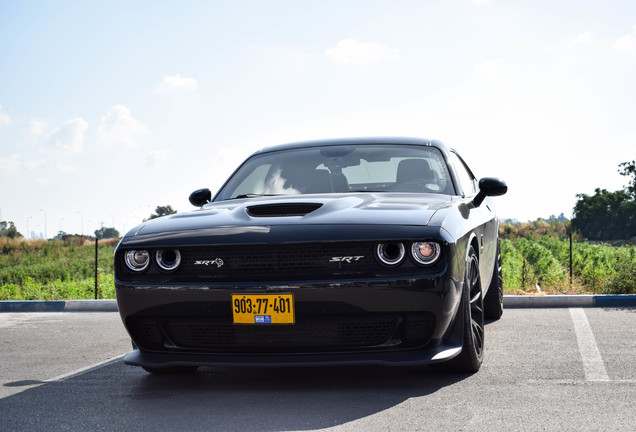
(535, 257)
(536, 260)
(55, 269)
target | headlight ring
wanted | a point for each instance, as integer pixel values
(425, 253)
(137, 260)
(168, 259)
(390, 254)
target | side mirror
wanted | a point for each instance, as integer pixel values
(489, 186)
(200, 197)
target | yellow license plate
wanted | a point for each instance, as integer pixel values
(263, 308)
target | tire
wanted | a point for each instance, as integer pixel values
(493, 301)
(472, 308)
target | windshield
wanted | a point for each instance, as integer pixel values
(341, 169)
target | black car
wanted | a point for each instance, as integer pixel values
(347, 251)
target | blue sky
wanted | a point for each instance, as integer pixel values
(108, 109)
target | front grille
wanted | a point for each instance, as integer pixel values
(276, 262)
(317, 261)
(310, 334)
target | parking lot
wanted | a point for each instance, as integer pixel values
(545, 369)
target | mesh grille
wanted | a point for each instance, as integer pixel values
(263, 262)
(281, 210)
(311, 334)
(319, 261)
(333, 333)
(146, 333)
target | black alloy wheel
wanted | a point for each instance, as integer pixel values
(493, 301)
(472, 354)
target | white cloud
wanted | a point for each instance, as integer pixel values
(67, 167)
(10, 166)
(481, 2)
(119, 129)
(353, 52)
(626, 44)
(581, 38)
(155, 158)
(490, 67)
(175, 83)
(290, 58)
(571, 42)
(37, 127)
(4, 118)
(32, 165)
(68, 138)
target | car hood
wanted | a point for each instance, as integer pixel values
(349, 209)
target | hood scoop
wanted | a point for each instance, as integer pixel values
(282, 210)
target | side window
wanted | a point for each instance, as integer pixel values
(466, 179)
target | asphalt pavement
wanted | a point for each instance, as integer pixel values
(566, 369)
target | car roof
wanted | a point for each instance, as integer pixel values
(355, 141)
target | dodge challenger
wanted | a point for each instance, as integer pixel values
(341, 251)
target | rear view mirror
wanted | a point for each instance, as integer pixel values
(200, 197)
(489, 186)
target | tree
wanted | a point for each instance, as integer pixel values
(162, 211)
(8, 229)
(105, 233)
(608, 215)
(61, 235)
(605, 215)
(628, 169)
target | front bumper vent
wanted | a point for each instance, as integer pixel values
(312, 334)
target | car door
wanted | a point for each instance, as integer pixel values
(482, 220)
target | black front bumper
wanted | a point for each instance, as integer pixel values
(401, 321)
(437, 354)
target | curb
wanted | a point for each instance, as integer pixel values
(564, 301)
(510, 302)
(548, 301)
(59, 306)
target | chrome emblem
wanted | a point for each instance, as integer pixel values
(217, 261)
(346, 259)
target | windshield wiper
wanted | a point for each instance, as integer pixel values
(253, 195)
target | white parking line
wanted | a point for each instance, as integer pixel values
(85, 369)
(590, 354)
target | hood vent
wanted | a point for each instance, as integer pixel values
(281, 210)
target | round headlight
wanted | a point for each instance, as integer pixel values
(425, 253)
(168, 259)
(137, 260)
(390, 254)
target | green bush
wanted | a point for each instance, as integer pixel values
(623, 281)
(55, 269)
